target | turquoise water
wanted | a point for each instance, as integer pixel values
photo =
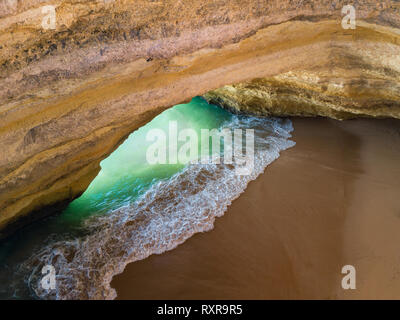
(133, 209)
(124, 175)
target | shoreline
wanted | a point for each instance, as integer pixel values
(330, 201)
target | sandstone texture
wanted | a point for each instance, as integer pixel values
(70, 95)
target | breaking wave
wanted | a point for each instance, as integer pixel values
(168, 213)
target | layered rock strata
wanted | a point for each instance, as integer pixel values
(71, 91)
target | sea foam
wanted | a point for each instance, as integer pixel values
(166, 215)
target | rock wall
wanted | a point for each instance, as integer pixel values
(309, 94)
(70, 95)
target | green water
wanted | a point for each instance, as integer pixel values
(124, 175)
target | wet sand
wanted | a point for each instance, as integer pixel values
(332, 200)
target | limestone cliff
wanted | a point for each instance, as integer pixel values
(312, 94)
(70, 95)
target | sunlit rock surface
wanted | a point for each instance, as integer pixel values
(70, 96)
(313, 94)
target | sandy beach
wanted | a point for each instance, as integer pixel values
(330, 201)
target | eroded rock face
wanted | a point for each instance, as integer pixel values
(70, 95)
(310, 94)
